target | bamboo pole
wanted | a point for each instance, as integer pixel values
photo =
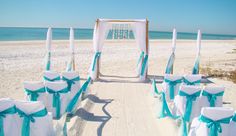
(147, 46)
(98, 60)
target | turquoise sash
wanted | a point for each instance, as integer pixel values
(97, 55)
(214, 126)
(25, 130)
(234, 117)
(169, 66)
(212, 97)
(196, 67)
(74, 100)
(154, 86)
(140, 58)
(51, 80)
(165, 111)
(34, 94)
(3, 114)
(191, 83)
(144, 65)
(56, 103)
(70, 81)
(172, 85)
(190, 99)
(48, 61)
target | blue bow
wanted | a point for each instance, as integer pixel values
(57, 100)
(154, 86)
(214, 126)
(191, 83)
(27, 118)
(190, 99)
(212, 97)
(34, 94)
(3, 114)
(51, 80)
(172, 85)
(70, 81)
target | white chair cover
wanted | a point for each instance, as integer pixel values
(43, 126)
(167, 86)
(71, 75)
(51, 76)
(64, 97)
(9, 120)
(212, 90)
(192, 79)
(199, 128)
(181, 101)
(34, 86)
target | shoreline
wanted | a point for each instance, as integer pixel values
(113, 41)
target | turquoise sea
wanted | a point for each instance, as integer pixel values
(21, 34)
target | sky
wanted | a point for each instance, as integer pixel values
(211, 16)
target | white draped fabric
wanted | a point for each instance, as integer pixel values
(70, 64)
(101, 30)
(48, 49)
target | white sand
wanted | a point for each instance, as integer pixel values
(131, 111)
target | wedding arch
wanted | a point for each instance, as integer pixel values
(139, 28)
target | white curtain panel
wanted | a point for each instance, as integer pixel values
(100, 33)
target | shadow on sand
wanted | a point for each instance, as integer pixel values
(87, 116)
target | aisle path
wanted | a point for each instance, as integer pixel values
(122, 109)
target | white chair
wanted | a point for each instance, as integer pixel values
(58, 97)
(51, 76)
(171, 86)
(7, 118)
(33, 119)
(212, 96)
(187, 102)
(233, 125)
(35, 91)
(192, 79)
(210, 118)
(73, 81)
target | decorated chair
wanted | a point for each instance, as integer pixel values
(192, 79)
(51, 76)
(73, 81)
(213, 121)
(35, 91)
(212, 96)
(7, 118)
(33, 119)
(171, 86)
(233, 125)
(58, 97)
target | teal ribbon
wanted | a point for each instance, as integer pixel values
(196, 67)
(97, 55)
(51, 80)
(169, 66)
(140, 57)
(212, 97)
(172, 85)
(69, 66)
(144, 64)
(214, 126)
(74, 100)
(190, 99)
(165, 111)
(191, 83)
(48, 63)
(56, 103)
(234, 117)
(34, 94)
(184, 127)
(27, 118)
(70, 81)
(154, 86)
(11, 110)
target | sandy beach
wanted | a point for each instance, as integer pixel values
(121, 105)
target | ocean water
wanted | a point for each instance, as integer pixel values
(21, 34)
